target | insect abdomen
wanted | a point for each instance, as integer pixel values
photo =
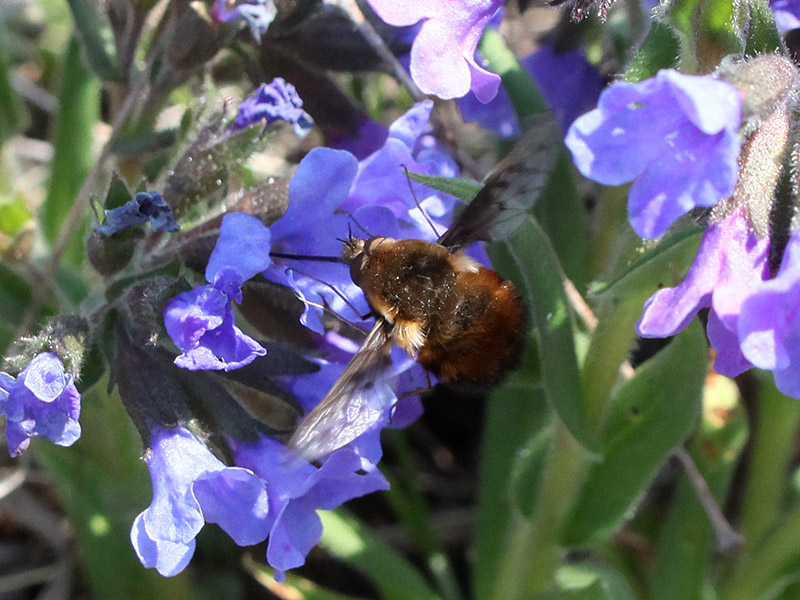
(484, 339)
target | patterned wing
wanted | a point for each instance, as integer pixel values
(354, 403)
(510, 191)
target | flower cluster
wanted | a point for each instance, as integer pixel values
(42, 401)
(276, 494)
(751, 319)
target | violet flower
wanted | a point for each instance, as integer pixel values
(568, 83)
(143, 207)
(42, 401)
(769, 328)
(787, 14)
(190, 488)
(675, 136)
(443, 53)
(274, 101)
(381, 176)
(731, 263)
(258, 14)
(201, 321)
(296, 490)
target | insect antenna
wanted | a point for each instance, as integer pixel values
(360, 226)
(333, 259)
(419, 206)
(334, 290)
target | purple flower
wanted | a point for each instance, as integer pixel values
(41, 402)
(675, 136)
(769, 329)
(787, 14)
(382, 180)
(371, 136)
(296, 490)
(143, 207)
(569, 84)
(275, 101)
(730, 264)
(443, 53)
(201, 321)
(259, 14)
(191, 487)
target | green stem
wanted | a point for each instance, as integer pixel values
(533, 552)
(754, 571)
(521, 89)
(773, 447)
(609, 348)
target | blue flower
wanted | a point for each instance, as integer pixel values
(443, 53)
(41, 402)
(730, 264)
(143, 207)
(769, 328)
(191, 487)
(787, 14)
(382, 181)
(259, 14)
(296, 490)
(675, 136)
(276, 101)
(201, 321)
(569, 84)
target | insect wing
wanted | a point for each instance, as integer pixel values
(354, 403)
(510, 191)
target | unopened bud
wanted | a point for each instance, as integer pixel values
(767, 82)
(194, 40)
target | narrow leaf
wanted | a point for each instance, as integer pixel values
(659, 50)
(762, 36)
(528, 259)
(391, 573)
(653, 413)
(97, 38)
(79, 105)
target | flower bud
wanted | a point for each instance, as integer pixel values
(65, 336)
(194, 40)
(767, 82)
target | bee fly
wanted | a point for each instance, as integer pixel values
(462, 321)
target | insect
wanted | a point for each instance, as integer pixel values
(462, 321)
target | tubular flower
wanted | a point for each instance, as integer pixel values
(42, 401)
(675, 136)
(443, 53)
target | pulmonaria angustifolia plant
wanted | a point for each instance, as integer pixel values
(244, 142)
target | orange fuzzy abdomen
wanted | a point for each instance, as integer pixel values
(482, 338)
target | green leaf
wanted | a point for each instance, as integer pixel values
(710, 31)
(392, 574)
(561, 213)
(463, 189)
(762, 35)
(79, 106)
(103, 485)
(518, 84)
(659, 50)
(653, 413)
(527, 258)
(517, 412)
(591, 580)
(672, 256)
(686, 544)
(97, 38)
(527, 468)
(14, 214)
